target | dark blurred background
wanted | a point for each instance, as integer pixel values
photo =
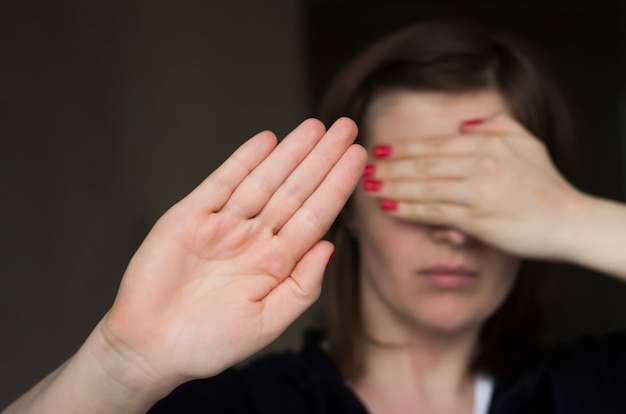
(112, 111)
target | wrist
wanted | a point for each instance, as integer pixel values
(597, 237)
(127, 376)
(104, 376)
(100, 378)
(572, 223)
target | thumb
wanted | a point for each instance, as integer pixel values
(299, 291)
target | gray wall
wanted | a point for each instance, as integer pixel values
(112, 111)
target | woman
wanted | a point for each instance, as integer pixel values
(457, 193)
(428, 281)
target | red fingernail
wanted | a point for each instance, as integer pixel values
(382, 151)
(372, 185)
(389, 205)
(472, 122)
(370, 169)
(330, 258)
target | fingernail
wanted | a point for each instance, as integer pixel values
(472, 122)
(370, 169)
(372, 185)
(382, 151)
(330, 258)
(389, 205)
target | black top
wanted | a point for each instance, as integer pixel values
(586, 377)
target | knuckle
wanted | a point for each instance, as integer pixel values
(294, 191)
(431, 212)
(493, 143)
(401, 148)
(314, 219)
(262, 182)
(423, 167)
(439, 143)
(489, 164)
(428, 192)
(393, 190)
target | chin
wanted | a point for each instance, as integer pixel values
(449, 320)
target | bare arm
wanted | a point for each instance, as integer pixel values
(220, 275)
(594, 236)
(94, 380)
(496, 182)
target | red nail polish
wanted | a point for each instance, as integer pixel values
(472, 122)
(389, 205)
(372, 185)
(370, 169)
(330, 258)
(382, 151)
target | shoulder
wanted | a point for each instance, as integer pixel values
(284, 382)
(591, 374)
(586, 376)
(606, 350)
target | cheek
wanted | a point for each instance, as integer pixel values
(383, 240)
(509, 268)
(369, 223)
(376, 243)
(503, 276)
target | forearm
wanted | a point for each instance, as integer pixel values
(596, 237)
(27, 402)
(94, 380)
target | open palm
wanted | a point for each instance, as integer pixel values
(228, 268)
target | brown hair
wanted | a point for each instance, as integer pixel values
(446, 57)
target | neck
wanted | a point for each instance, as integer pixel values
(423, 371)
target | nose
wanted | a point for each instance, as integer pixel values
(450, 236)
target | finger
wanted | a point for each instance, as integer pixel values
(424, 167)
(449, 192)
(299, 186)
(425, 146)
(217, 188)
(501, 123)
(436, 214)
(507, 130)
(311, 221)
(299, 291)
(257, 188)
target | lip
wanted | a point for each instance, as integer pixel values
(449, 277)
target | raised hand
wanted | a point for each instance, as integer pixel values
(228, 268)
(220, 275)
(493, 180)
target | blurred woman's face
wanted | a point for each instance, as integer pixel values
(416, 276)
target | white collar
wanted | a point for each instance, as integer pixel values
(483, 389)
